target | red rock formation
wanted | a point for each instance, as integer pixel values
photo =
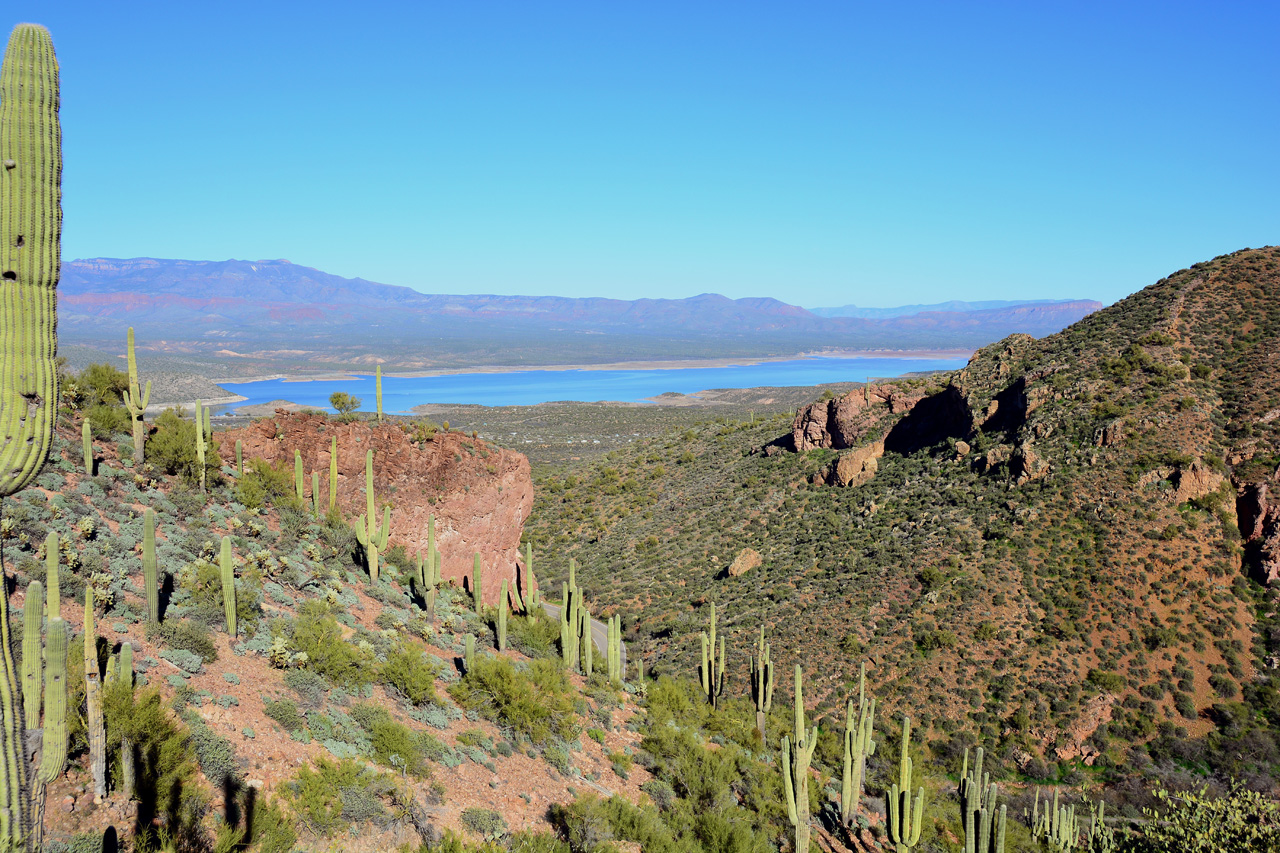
(479, 494)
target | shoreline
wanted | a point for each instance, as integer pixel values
(672, 364)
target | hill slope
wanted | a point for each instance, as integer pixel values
(1045, 546)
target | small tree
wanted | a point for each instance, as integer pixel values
(343, 403)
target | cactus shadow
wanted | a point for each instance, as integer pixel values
(166, 593)
(110, 841)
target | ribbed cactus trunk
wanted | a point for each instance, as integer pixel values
(502, 618)
(30, 249)
(239, 457)
(378, 391)
(136, 404)
(315, 494)
(200, 442)
(93, 704)
(228, 571)
(128, 773)
(905, 817)
(53, 728)
(333, 475)
(712, 662)
(477, 579)
(299, 481)
(86, 445)
(469, 653)
(32, 652)
(150, 567)
(370, 536)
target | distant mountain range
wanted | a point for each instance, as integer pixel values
(953, 306)
(276, 309)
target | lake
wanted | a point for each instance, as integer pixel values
(529, 387)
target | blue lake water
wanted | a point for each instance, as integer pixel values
(529, 387)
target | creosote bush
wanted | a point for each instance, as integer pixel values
(534, 703)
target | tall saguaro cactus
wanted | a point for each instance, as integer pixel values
(983, 831)
(30, 252)
(858, 747)
(333, 474)
(378, 391)
(761, 682)
(150, 566)
(372, 538)
(712, 662)
(86, 445)
(136, 404)
(93, 703)
(795, 768)
(227, 569)
(477, 582)
(905, 819)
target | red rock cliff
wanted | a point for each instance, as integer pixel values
(479, 494)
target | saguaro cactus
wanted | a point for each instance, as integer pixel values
(86, 445)
(228, 571)
(32, 623)
(150, 567)
(30, 248)
(93, 703)
(378, 390)
(858, 747)
(477, 581)
(795, 768)
(615, 650)
(983, 832)
(905, 819)
(239, 457)
(1058, 826)
(53, 591)
(712, 662)
(502, 618)
(333, 475)
(570, 617)
(53, 738)
(298, 476)
(136, 404)
(761, 682)
(585, 643)
(372, 538)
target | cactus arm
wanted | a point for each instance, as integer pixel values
(30, 251)
(32, 619)
(52, 589)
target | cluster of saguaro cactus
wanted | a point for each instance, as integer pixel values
(95, 722)
(227, 568)
(1101, 838)
(1057, 827)
(120, 670)
(371, 536)
(136, 404)
(795, 767)
(712, 662)
(585, 644)
(905, 818)
(150, 566)
(570, 618)
(858, 747)
(616, 672)
(983, 831)
(427, 577)
(761, 682)
(477, 583)
(86, 445)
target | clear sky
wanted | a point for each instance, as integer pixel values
(819, 152)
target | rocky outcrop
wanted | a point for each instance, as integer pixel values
(1259, 520)
(857, 466)
(842, 422)
(480, 495)
(747, 559)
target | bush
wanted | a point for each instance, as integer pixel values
(285, 712)
(410, 673)
(486, 823)
(1191, 822)
(216, 755)
(317, 635)
(393, 743)
(172, 447)
(186, 635)
(534, 703)
(263, 482)
(336, 793)
(201, 580)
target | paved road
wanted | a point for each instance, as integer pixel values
(599, 634)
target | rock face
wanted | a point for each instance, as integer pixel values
(747, 559)
(480, 495)
(857, 466)
(841, 422)
(1260, 528)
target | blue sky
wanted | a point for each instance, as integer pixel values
(822, 153)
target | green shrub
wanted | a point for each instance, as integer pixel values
(272, 829)
(263, 482)
(172, 447)
(215, 753)
(201, 580)
(534, 703)
(394, 744)
(285, 712)
(408, 671)
(311, 688)
(486, 823)
(334, 794)
(186, 635)
(1191, 822)
(536, 635)
(317, 635)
